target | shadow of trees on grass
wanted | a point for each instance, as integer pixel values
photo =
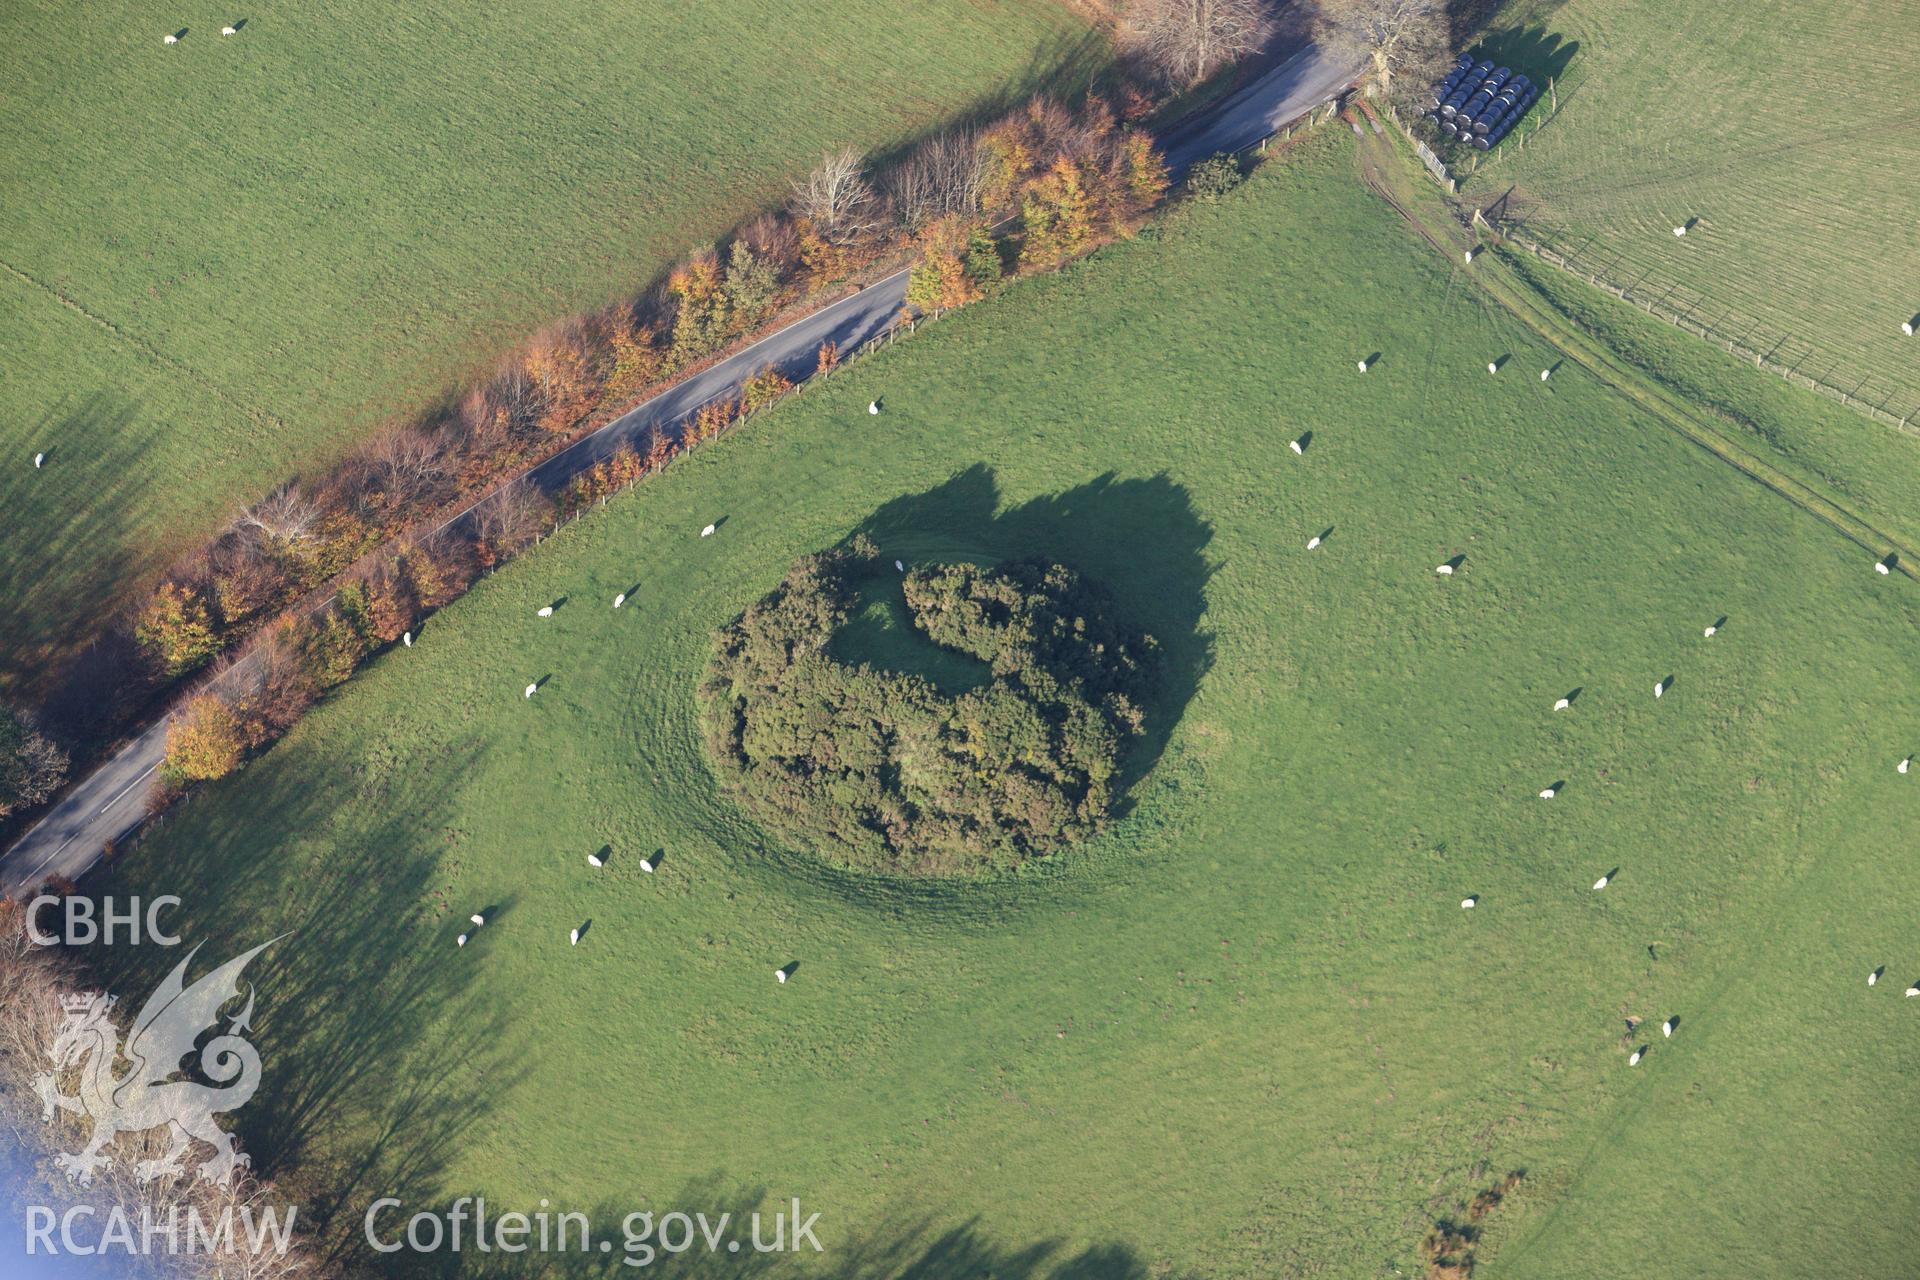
(914, 1250)
(1139, 538)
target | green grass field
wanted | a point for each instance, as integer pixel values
(225, 261)
(1785, 127)
(1248, 1032)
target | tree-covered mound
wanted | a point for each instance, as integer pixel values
(881, 769)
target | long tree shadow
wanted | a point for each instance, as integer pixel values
(914, 1250)
(78, 508)
(368, 1016)
(1140, 538)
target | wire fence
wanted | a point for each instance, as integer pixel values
(1778, 354)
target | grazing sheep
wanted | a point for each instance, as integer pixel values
(1873, 979)
(229, 31)
(1470, 253)
(619, 599)
(1666, 1028)
(1563, 704)
(1550, 792)
(900, 565)
(1912, 992)
(1296, 446)
(594, 860)
(1445, 570)
(1906, 327)
(708, 531)
(1545, 374)
(1493, 366)
(406, 638)
(1709, 632)
(532, 689)
(646, 865)
(1313, 542)
(1638, 1054)
(545, 612)
(1660, 687)
(1363, 366)
(1904, 765)
(1881, 566)
(1601, 883)
(780, 975)
(477, 920)
(171, 40)
(460, 941)
(1467, 903)
(38, 459)
(573, 937)
(1679, 231)
(873, 406)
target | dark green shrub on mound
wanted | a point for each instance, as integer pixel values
(879, 769)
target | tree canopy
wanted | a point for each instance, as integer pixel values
(880, 769)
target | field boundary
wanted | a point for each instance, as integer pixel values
(1599, 360)
(1523, 234)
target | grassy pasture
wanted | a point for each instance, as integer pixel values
(1785, 127)
(226, 260)
(1249, 1031)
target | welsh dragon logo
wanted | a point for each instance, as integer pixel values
(148, 1095)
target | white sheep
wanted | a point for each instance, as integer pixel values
(1550, 792)
(171, 40)
(460, 941)
(1493, 366)
(619, 599)
(1679, 231)
(1363, 366)
(1666, 1028)
(1467, 903)
(1638, 1054)
(900, 565)
(1296, 446)
(1313, 542)
(646, 865)
(1709, 632)
(1906, 327)
(406, 638)
(477, 920)
(532, 689)
(780, 975)
(229, 31)
(1563, 704)
(1470, 253)
(1904, 765)
(1601, 883)
(573, 937)
(594, 860)
(873, 406)
(708, 531)
(1881, 566)
(1660, 688)
(38, 459)
(546, 611)
(1873, 979)
(1545, 374)
(1912, 992)
(1445, 570)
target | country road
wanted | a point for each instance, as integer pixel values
(108, 804)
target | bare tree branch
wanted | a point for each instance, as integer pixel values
(1396, 37)
(1188, 40)
(835, 199)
